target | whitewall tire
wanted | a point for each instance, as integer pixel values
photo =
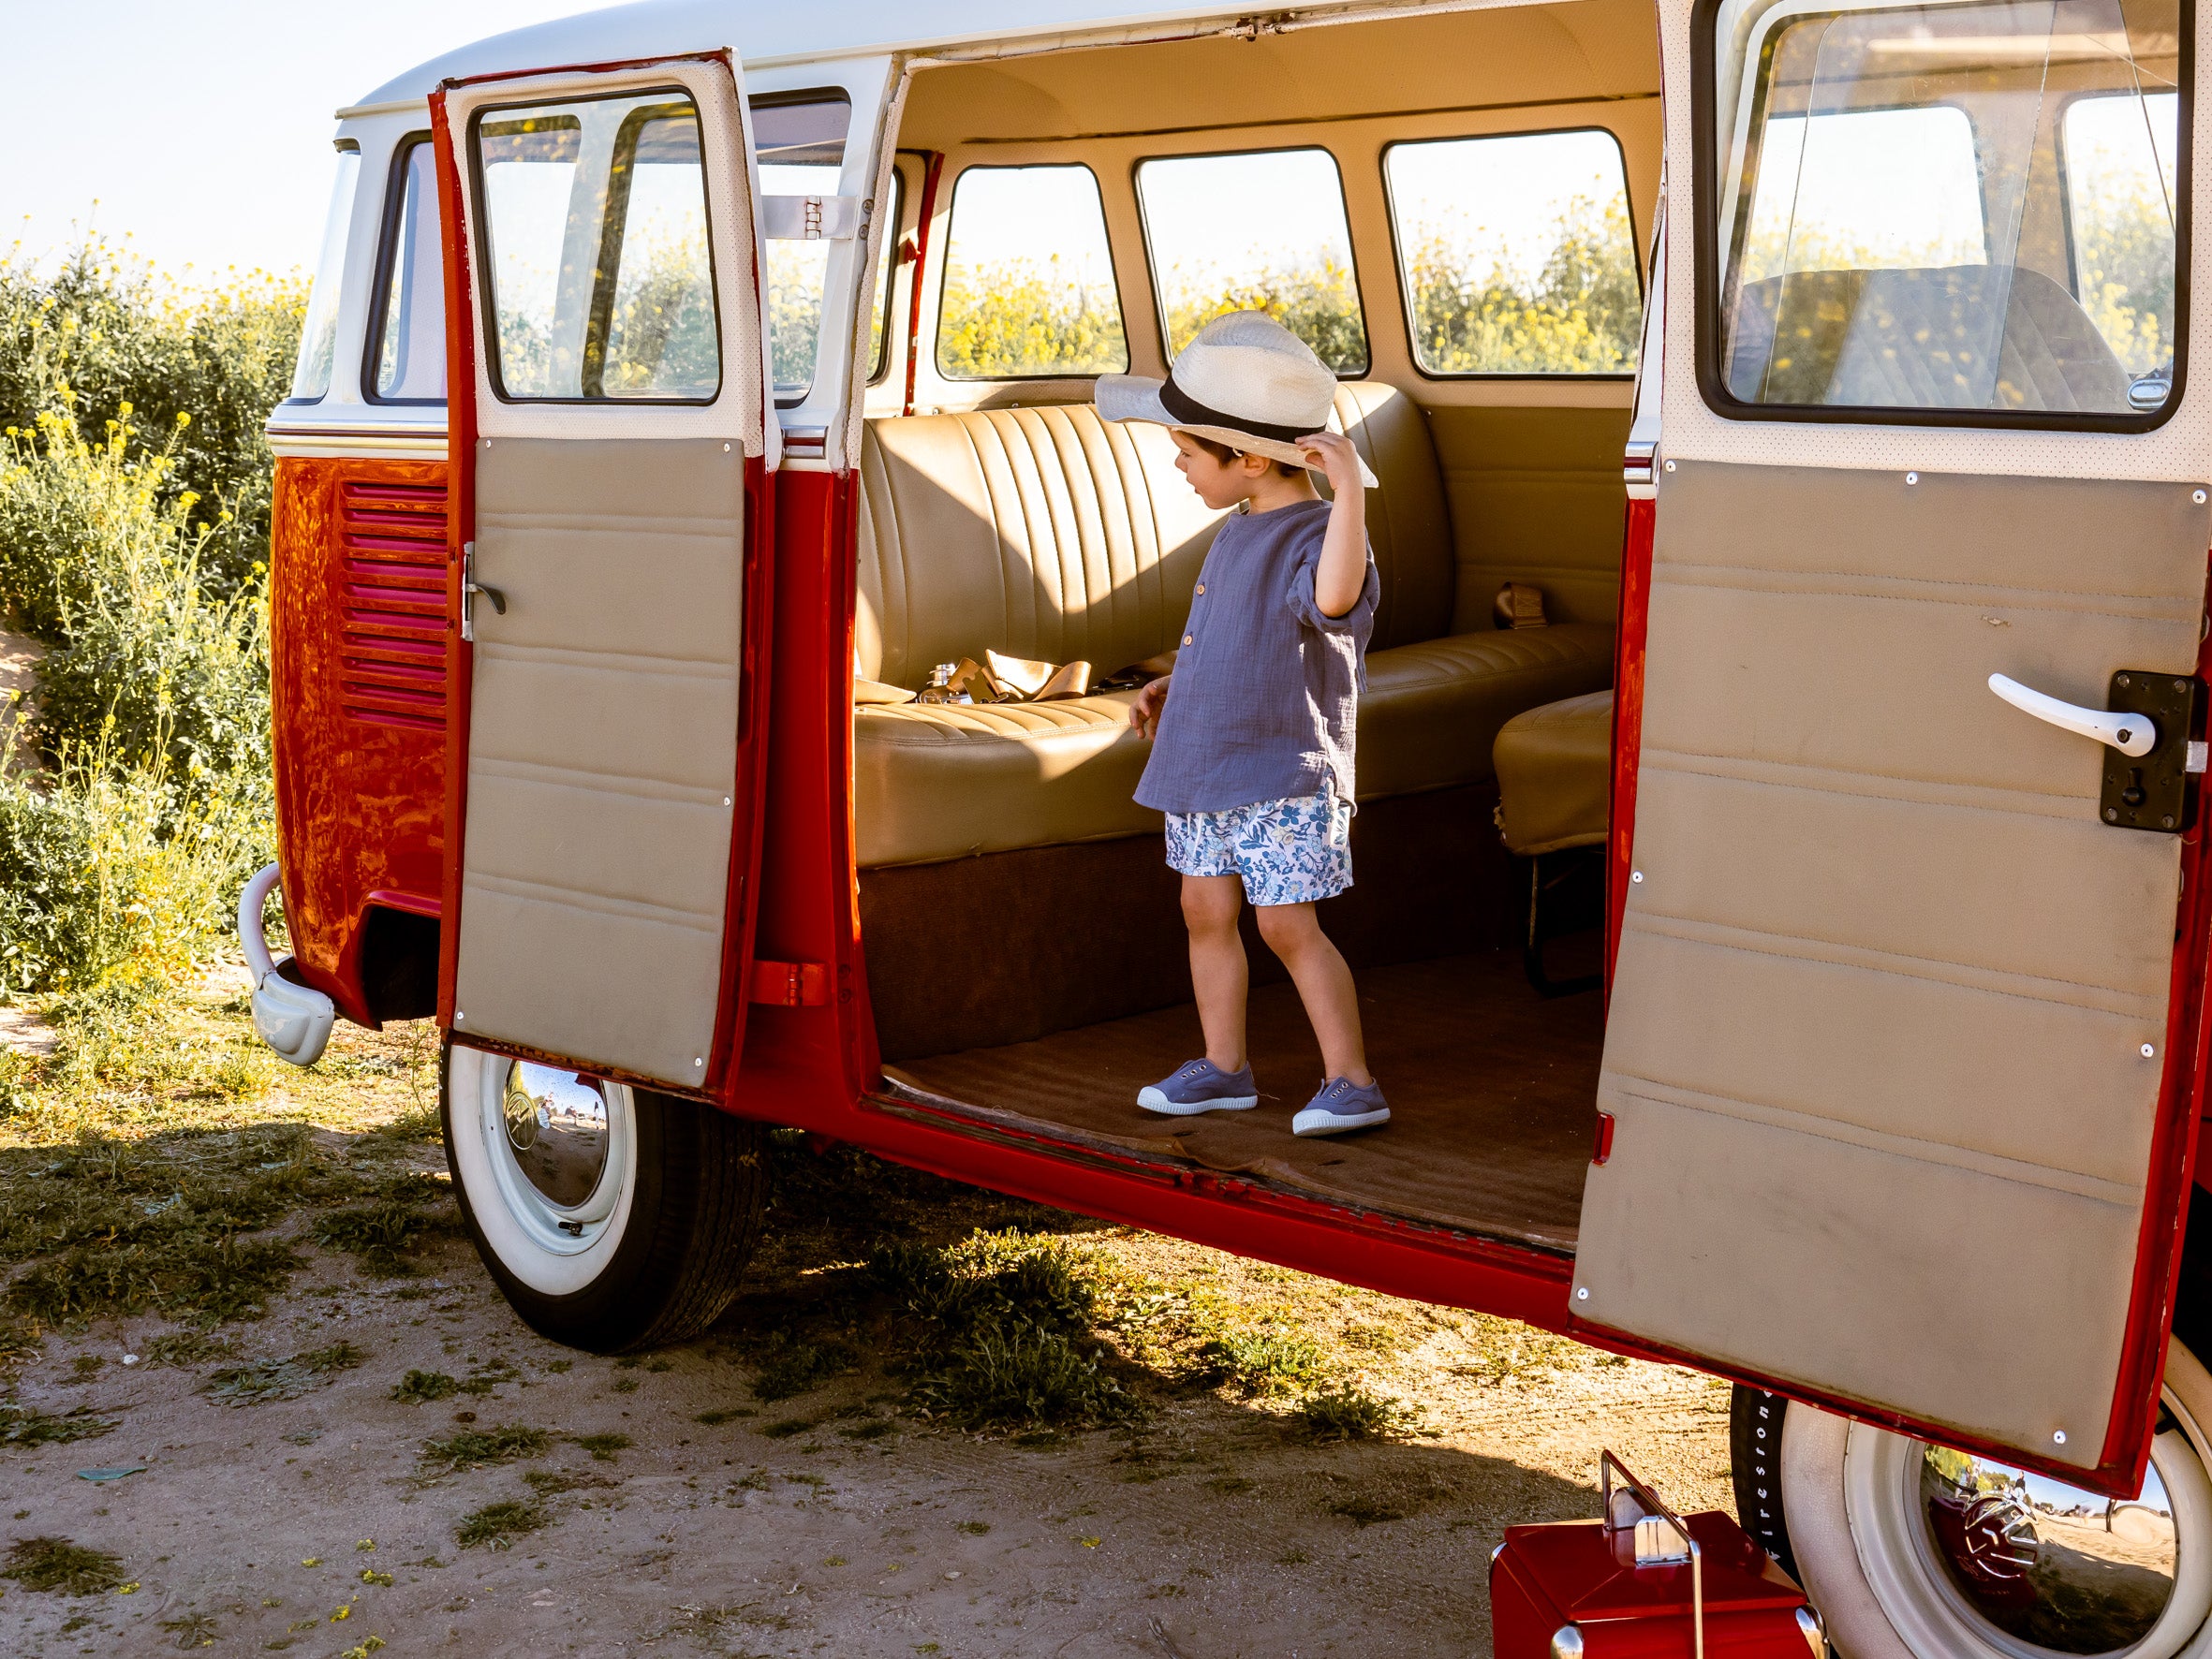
(1913, 1554)
(612, 1217)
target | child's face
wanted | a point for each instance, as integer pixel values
(1219, 484)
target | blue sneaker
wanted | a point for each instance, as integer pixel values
(1199, 1086)
(1342, 1104)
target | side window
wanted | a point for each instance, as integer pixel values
(1516, 254)
(1013, 311)
(887, 236)
(318, 333)
(603, 285)
(407, 335)
(800, 139)
(1893, 205)
(1259, 231)
(2120, 161)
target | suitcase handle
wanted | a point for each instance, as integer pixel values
(1648, 1549)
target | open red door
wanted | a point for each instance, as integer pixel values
(609, 438)
(1903, 1054)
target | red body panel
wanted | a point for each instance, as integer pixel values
(356, 607)
(1576, 1573)
(1628, 716)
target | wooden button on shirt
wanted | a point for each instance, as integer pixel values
(1264, 700)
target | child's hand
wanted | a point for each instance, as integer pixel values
(1333, 452)
(1144, 711)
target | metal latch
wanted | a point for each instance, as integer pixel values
(1659, 1536)
(790, 985)
(470, 587)
(2149, 727)
(811, 219)
(2151, 791)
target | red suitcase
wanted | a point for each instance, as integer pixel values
(1643, 1583)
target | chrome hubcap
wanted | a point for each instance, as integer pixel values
(2054, 1567)
(557, 1129)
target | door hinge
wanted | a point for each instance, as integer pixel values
(790, 985)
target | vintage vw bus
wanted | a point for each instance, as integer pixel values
(685, 382)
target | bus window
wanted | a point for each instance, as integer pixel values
(1261, 232)
(602, 286)
(409, 330)
(1516, 254)
(1892, 215)
(1007, 315)
(2119, 164)
(319, 334)
(801, 142)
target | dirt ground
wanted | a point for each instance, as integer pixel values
(286, 1501)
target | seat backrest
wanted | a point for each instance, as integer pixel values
(1043, 533)
(1948, 337)
(1050, 533)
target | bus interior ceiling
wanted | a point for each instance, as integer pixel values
(1024, 941)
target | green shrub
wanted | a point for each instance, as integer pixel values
(100, 330)
(1259, 1362)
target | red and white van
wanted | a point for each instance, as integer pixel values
(685, 381)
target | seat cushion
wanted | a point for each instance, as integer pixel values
(1432, 711)
(946, 780)
(1554, 775)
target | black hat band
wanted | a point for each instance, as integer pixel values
(1191, 412)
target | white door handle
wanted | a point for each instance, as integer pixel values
(2130, 734)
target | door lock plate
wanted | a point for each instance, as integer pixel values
(2151, 791)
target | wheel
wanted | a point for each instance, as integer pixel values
(1914, 1552)
(612, 1217)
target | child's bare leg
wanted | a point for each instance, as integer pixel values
(1219, 976)
(1317, 968)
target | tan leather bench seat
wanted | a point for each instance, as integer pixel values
(1554, 775)
(1049, 533)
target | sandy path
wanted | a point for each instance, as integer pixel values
(722, 1540)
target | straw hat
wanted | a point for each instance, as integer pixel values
(1244, 380)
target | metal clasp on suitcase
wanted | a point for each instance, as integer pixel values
(1660, 1537)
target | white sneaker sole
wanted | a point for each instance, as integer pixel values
(1311, 1123)
(1151, 1100)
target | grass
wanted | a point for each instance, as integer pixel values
(386, 1236)
(418, 1387)
(1350, 1412)
(22, 1426)
(484, 1448)
(602, 1447)
(500, 1524)
(724, 1414)
(1264, 1362)
(281, 1379)
(55, 1564)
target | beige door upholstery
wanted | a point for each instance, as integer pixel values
(1876, 1043)
(602, 748)
(1554, 775)
(1049, 533)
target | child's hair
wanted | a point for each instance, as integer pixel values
(1224, 453)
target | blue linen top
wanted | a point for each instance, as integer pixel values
(1265, 695)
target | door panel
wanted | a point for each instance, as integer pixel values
(1875, 1050)
(1888, 1042)
(602, 749)
(602, 874)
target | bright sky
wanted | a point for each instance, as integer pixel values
(203, 128)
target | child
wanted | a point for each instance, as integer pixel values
(1252, 754)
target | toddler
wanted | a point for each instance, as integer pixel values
(1252, 731)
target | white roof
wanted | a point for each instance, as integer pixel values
(768, 31)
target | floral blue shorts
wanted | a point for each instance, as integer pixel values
(1290, 852)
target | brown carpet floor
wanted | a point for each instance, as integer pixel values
(1491, 1087)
